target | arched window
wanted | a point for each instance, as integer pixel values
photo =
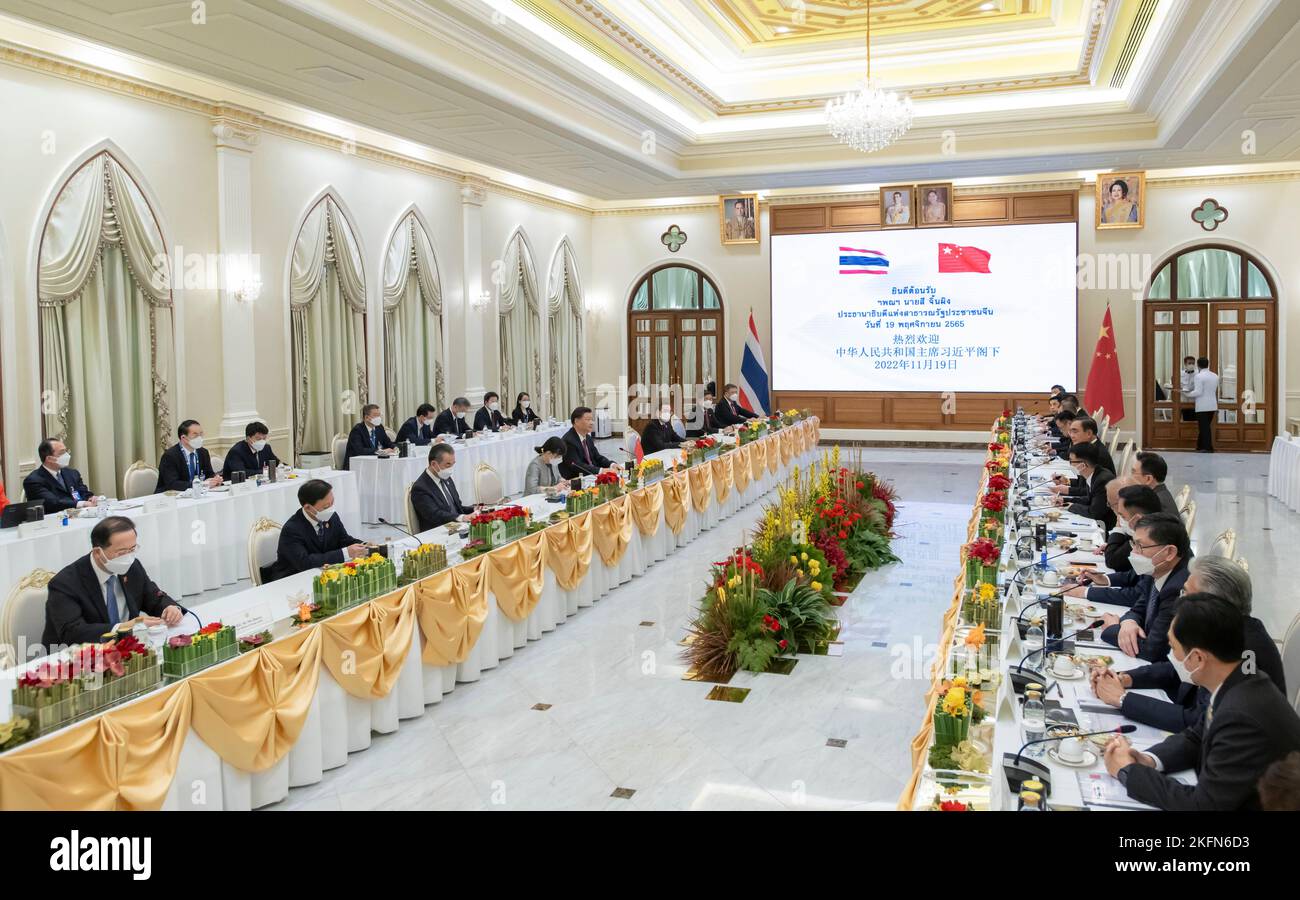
(327, 303)
(413, 322)
(676, 330)
(565, 315)
(519, 317)
(1219, 302)
(108, 367)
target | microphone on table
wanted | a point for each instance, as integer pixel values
(1041, 601)
(383, 521)
(1121, 729)
(1019, 668)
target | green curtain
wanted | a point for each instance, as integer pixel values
(329, 340)
(565, 338)
(412, 351)
(520, 321)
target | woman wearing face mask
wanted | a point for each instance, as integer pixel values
(659, 433)
(489, 416)
(523, 413)
(542, 472)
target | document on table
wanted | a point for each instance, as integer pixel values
(1105, 718)
(1103, 790)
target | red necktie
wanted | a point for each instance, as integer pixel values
(585, 451)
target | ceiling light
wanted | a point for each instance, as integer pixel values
(869, 118)
(988, 7)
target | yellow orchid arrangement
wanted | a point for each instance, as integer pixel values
(955, 701)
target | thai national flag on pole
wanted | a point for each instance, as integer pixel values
(753, 373)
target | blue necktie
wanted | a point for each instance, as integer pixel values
(194, 465)
(112, 602)
(374, 441)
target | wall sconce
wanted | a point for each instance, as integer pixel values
(249, 290)
(481, 302)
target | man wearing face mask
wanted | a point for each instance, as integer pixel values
(1130, 503)
(1220, 577)
(419, 428)
(659, 434)
(452, 419)
(54, 483)
(489, 416)
(1248, 723)
(368, 437)
(705, 415)
(185, 461)
(434, 494)
(105, 590)
(1089, 488)
(250, 455)
(1161, 550)
(314, 536)
(729, 411)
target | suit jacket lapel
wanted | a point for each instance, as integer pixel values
(90, 581)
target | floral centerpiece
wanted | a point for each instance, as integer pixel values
(982, 557)
(581, 500)
(608, 486)
(993, 506)
(705, 448)
(185, 654)
(304, 613)
(954, 711)
(790, 416)
(86, 679)
(344, 585)
(14, 732)
(775, 422)
(252, 641)
(980, 606)
(499, 526)
(752, 430)
(648, 471)
(423, 561)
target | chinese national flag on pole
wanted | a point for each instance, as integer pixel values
(640, 453)
(1105, 387)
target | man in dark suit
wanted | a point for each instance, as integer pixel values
(434, 494)
(1130, 503)
(419, 428)
(105, 590)
(488, 417)
(729, 411)
(1151, 470)
(185, 461)
(452, 419)
(580, 454)
(704, 420)
(368, 437)
(314, 536)
(251, 455)
(53, 483)
(1086, 495)
(1083, 430)
(1160, 554)
(1060, 448)
(659, 434)
(1247, 726)
(1220, 577)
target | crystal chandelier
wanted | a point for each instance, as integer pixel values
(869, 118)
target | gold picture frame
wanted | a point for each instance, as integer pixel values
(928, 214)
(738, 219)
(898, 206)
(1121, 200)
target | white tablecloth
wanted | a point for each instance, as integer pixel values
(196, 546)
(1284, 471)
(382, 482)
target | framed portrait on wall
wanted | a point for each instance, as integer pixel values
(1121, 200)
(738, 218)
(934, 204)
(898, 206)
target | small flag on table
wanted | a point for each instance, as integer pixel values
(955, 258)
(1105, 385)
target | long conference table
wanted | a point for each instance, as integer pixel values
(241, 734)
(1084, 786)
(1284, 470)
(382, 480)
(187, 545)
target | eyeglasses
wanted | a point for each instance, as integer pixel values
(1136, 546)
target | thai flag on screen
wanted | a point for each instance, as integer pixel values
(863, 262)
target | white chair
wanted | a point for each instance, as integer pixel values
(1291, 654)
(1100, 413)
(392, 435)
(412, 520)
(1114, 444)
(631, 437)
(1184, 496)
(22, 624)
(1241, 561)
(1189, 516)
(1126, 461)
(218, 463)
(1103, 429)
(263, 546)
(1224, 545)
(487, 485)
(139, 481)
(339, 447)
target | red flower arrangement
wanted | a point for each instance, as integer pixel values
(999, 482)
(605, 478)
(997, 448)
(705, 443)
(953, 806)
(886, 495)
(772, 623)
(835, 557)
(994, 501)
(505, 514)
(984, 550)
(740, 564)
(210, 628)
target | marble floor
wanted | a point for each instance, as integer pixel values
(833, 734)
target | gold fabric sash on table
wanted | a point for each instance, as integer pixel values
(252, 709)
(677, 495)
(647, 505)
(612, 529)
(722, 476)
(365, 648)
(518, 574)
(773, 448)
(452, 607)
(787, 445)
(701, 486)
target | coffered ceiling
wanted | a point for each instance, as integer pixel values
(615, 100)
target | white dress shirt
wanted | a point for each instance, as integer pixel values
(119, 594)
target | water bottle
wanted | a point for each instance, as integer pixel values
(1033, 723)
(196, 488)
(1033, 644)
(1030, 801)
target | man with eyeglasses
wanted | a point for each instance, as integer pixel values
(106, 590)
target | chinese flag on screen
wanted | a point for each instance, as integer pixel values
(954, 258)
(1105, 387)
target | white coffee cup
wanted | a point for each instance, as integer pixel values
(1086, 543)
(1051, 577)
(1071, 749)
(1063, 665)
